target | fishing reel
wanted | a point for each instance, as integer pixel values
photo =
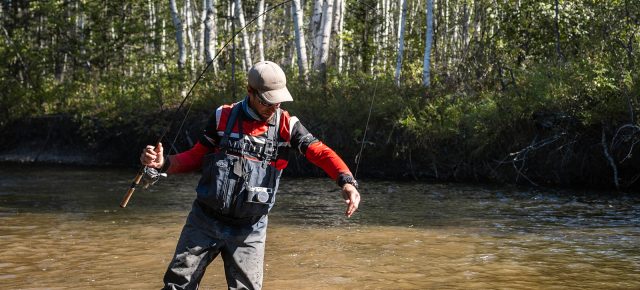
(151, 176)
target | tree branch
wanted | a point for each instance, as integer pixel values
(610, 159)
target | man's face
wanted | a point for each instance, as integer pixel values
(264, 109)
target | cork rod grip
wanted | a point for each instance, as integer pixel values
(127, 196)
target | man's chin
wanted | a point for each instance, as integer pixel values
(266, 118)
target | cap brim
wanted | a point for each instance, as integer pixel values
(277, 96)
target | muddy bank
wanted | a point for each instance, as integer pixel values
(61, 139)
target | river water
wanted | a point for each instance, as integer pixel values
(61, 228)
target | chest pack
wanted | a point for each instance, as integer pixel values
(238, 181)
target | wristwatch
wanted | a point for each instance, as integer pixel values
(346, 178)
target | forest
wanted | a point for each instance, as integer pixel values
(540, 93)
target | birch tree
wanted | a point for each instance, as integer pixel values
(191, 49)
(246, 49)
(182, 56)
(557, 28)
(426, 69)
(401, 24)
(201, 33)
(386, 26)
(323, 39)
(210, 33)
(259, 33)
(314, 26)
(301, 48)
(150, 46)
(338, 28)
(288, 45)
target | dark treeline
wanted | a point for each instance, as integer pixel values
(529, 92)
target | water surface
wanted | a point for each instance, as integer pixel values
(61, 228)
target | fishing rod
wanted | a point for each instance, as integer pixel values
(141, 172)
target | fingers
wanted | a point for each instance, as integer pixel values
(353, 202)
(159, 148)
(149, 155)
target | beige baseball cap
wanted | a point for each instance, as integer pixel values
(270, 81)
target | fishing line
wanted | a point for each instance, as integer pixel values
(358, 158)
(140, 174)
(366, 127)
(231, 39)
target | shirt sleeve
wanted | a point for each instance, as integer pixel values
(189, 160)
(317, 152)
(324, 157)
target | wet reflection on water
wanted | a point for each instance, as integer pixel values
(61, 228)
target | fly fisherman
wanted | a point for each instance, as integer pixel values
(242, 153)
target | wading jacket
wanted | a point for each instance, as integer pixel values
(242, 158)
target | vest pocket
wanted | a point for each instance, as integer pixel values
(218, 182)
(259, 191)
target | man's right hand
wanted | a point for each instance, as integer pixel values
(152, 156)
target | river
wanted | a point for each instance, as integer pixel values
(61, 228)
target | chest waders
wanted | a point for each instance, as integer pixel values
(237, 183)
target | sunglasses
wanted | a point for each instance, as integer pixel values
(264, 103)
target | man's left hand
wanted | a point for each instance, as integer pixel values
(351, 198)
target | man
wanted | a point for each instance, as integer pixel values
(242, 153)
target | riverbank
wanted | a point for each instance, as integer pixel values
(529, 154)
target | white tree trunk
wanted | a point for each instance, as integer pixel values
(210, 33)
(231, 8)
(314, 28)
(301, 48)
(259, 38)
(320, 64)
(289, 44)
(477, 20)
(455, 39)
(444, 60)
(80, 26)
(386, 26)
(191, 49)
(201, 30)
(426, 69)
(182, 56)
(149, 45)
(163, 43)
(246, 49)
(339, 27)
(401, 24)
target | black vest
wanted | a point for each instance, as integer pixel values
(237, 182)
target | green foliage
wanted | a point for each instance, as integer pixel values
(109, 73)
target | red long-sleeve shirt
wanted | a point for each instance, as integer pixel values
(292, 134)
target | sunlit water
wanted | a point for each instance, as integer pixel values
(61, 228)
